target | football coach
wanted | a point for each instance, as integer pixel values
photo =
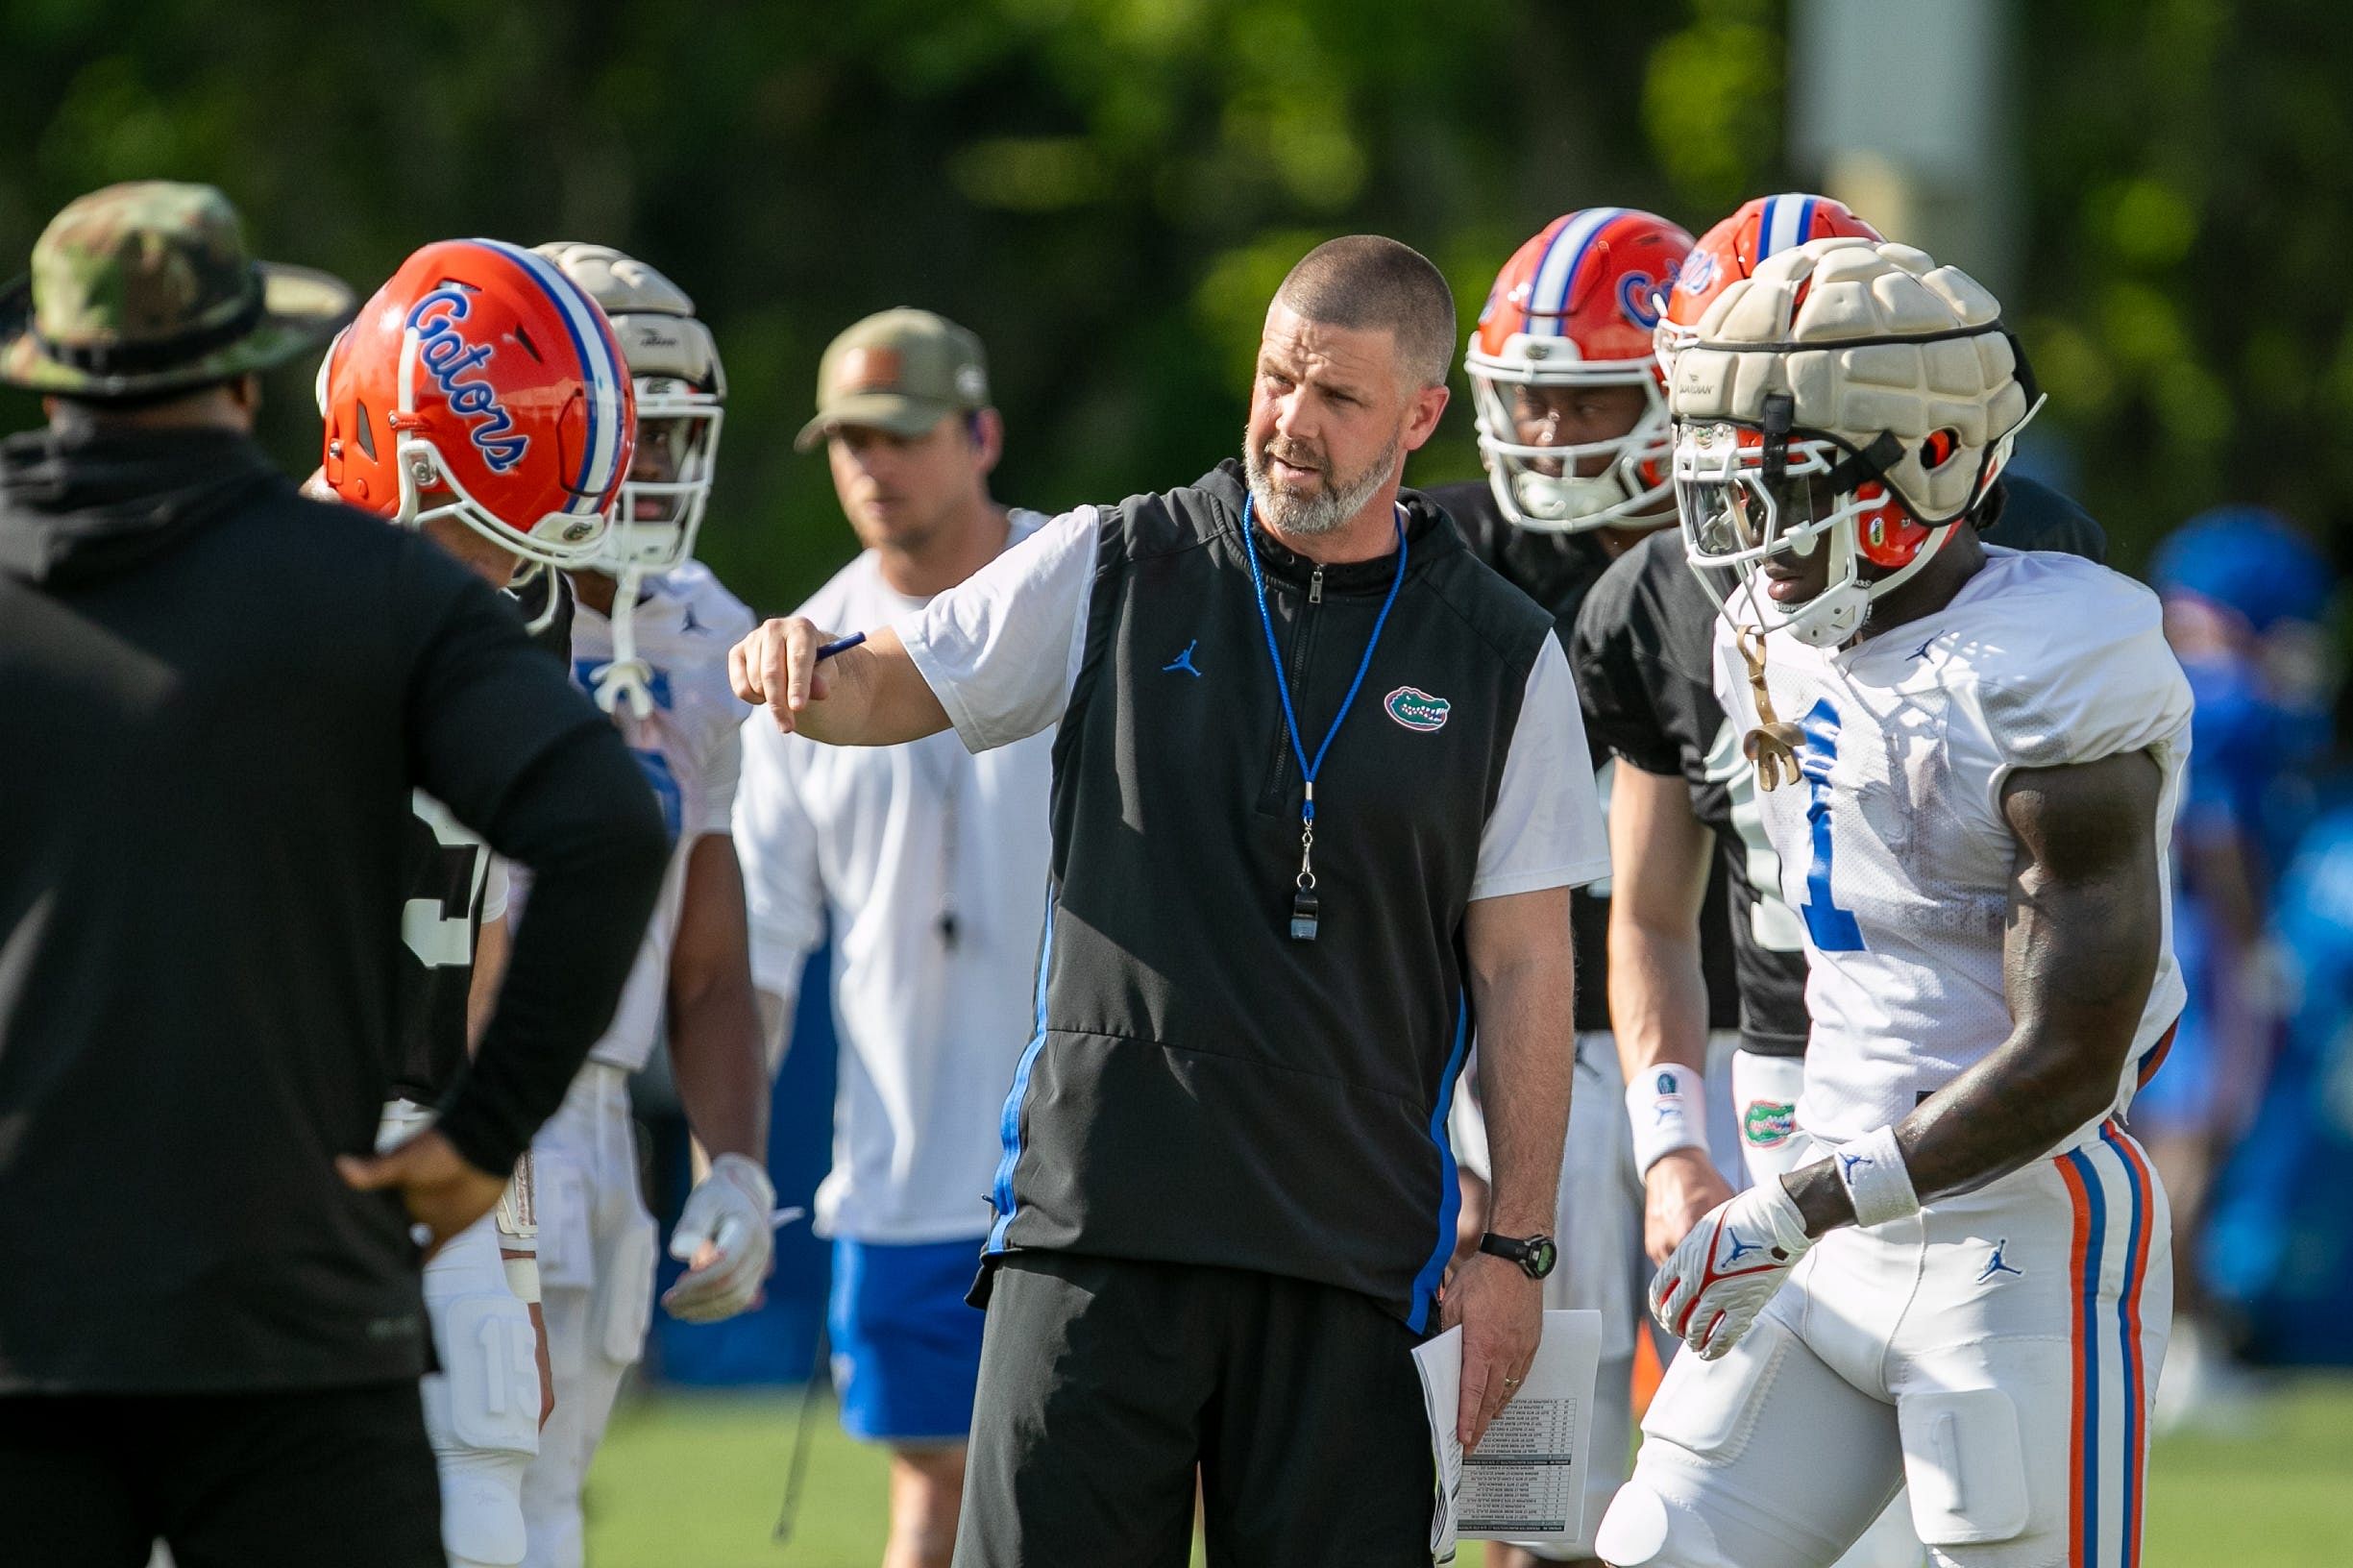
(1319, 796)
(215, 699)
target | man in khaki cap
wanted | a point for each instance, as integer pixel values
(216, 700)
(900, 372)
(931, 864)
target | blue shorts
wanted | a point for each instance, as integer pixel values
(906, 1345)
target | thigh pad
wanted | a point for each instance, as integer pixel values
(1964, 1462)
(486, 1396)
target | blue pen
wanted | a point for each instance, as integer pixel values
(843, 646)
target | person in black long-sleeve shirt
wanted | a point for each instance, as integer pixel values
(217, 697)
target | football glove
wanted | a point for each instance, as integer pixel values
(1719, 1277)
(726, 1237)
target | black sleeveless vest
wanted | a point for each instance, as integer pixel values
(1202, 1087)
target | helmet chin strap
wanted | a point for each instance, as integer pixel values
(627, 678)
(1835, 615)
(1880, 587)
(1841, 611)
(1547, 498)
(1773, 746)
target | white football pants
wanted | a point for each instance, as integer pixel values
(1995, 1352)
(1765, 1092)
(595, 1280)
(481, 1410)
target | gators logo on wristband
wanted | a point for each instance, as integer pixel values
(1767, 1122)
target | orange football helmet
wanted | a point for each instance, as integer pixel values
(1763, 226)
(481, 383)
(1575, 307)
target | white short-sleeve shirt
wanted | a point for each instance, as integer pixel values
(1002, 650)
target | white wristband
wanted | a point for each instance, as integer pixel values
(1665, 1105)
(1877, 1182)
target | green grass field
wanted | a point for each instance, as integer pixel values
(694, 1480)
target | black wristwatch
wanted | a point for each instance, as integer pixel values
(1535, 1255)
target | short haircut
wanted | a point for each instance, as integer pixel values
(1361, 281)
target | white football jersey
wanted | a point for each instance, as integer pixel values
(689, 750)
(1894, 850)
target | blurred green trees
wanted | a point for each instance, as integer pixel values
(1107, 190)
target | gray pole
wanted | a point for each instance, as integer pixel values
(1900, 109)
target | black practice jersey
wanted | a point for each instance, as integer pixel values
(446, 872)
(1644, 656)
(1558, 571)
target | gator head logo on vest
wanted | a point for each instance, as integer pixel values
(1416, 709)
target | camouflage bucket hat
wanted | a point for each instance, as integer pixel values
(146, 289)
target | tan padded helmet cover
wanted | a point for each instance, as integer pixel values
(1867, 295)
(651, 316)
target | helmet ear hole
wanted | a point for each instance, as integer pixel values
(1938, 449)
(366, 430)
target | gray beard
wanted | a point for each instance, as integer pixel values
(1334, 503)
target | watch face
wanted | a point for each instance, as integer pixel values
(1542, 1254)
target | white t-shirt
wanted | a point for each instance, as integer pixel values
(1002, 651)
(685, 623)
(1894, 850)
(885, 843)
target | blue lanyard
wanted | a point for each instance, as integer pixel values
(1305, 910)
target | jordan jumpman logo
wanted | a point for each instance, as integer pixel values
(1994, 1266)
(1184, 661)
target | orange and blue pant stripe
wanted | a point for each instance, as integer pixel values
(2116, 1212)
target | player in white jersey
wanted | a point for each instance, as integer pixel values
(1572, 424)
(405, 395)
(930, 865)
(1968, 760)
(651, 640)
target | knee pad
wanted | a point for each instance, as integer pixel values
(486, 1398)
(1646, 1528)
(481, 1507)
(1731, 1473)
(1652, 1524)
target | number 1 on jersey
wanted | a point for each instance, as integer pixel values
(1834, 929)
